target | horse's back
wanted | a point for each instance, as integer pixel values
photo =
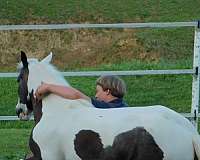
(165, 125)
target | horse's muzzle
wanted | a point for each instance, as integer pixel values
(22, 112)
(19, 111)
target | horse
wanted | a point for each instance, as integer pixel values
(61, 122)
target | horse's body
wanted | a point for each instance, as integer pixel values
(62, 119)
(171, 131)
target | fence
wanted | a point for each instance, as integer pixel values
(194, 72)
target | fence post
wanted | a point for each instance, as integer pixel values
(196, 79)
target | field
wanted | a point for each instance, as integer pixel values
(123, 49)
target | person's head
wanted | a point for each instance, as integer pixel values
(109, 88)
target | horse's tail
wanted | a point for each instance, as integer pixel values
(196, 144)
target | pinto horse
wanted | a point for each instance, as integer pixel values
(74, 129)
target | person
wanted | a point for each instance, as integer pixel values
(110, 91)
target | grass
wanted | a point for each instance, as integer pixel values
(103, 47)
(14, 139)
(151, 44)
(171, 43)
(162, 48)
(16, 124)
(14, 145)
(99, 11)
(173, 91)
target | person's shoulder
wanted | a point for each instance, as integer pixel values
(99, 104)
(119, 102)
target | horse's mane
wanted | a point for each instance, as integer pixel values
(53, 71)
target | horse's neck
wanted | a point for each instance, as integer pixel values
(54, 79)
(44, 73)
(53, 102)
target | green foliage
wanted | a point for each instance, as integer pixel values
(99, 10)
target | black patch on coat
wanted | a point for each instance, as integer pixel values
(37, 107)
(108, 154)
(87, 145)
(136, 144)
(35, 149)
(24, 59)
(195, 156)
(22, 80)
(37, 110)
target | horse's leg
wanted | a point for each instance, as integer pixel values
(35, 149)
(37, 111)
(195, 157)
(37, 108)
(31, 158)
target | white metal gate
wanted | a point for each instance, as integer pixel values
(196, 60)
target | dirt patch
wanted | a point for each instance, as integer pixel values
(73, 48)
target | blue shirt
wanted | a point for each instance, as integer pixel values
(117, 103)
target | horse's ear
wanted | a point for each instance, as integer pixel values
(24, 59)
(47, 59)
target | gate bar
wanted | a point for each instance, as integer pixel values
(119, 73)
(79, 26)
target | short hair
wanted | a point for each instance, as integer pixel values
(115, 84)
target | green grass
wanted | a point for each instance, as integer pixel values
(8, 95)
(173, 44)
(99, 10)
(14, 143)
(14, 139)
(16, 124)
(173, 91)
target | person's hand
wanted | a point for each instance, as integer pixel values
(42, 90)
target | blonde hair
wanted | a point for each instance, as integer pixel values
(115, 84)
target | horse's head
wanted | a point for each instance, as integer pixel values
(26, 86)
(24, 106)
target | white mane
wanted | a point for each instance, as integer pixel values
(43, 72)
(55, 73)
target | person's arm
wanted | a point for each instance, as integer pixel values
(63, 91)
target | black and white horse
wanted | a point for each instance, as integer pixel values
(66, 129)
